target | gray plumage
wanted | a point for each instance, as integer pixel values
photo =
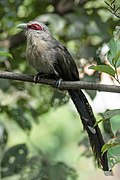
(48, 56)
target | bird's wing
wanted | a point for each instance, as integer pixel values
(65, 65)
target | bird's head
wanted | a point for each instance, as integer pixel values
(34, 27)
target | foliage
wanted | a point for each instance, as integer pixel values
(113, 59)
(114, 8)
(113, 145)
(6, 54)
(33, 144)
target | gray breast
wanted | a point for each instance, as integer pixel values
(40, 57)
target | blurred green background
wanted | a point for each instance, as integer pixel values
(41, 135)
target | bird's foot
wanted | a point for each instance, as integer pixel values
(58, 83)
(48, 76)
(38, 76)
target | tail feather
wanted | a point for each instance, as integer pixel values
(88, 120)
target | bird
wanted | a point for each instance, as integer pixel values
(51, 59)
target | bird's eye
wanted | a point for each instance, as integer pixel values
(35, 27)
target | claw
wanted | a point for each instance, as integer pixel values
(58, 83)
(36, 78)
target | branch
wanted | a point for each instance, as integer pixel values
(65, 85)
(114, 8)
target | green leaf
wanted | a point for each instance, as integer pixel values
(14, 160)
(20, 117)
(118, 134)
(107, 115)
(104, 68)
(106, 147)
(113, 46)
(115, 123)
(113, 142)
(110, 113)
(6, 54)
(113, 151)
(114, 156)
(116, 58)
(114, 54)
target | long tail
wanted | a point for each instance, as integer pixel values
(94, 133)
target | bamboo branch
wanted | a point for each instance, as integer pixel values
(65, 85)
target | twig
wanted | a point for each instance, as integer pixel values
(114, 8)
(65, 85)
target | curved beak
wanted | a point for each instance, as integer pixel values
(22, 26)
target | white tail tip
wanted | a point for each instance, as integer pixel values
(108, 173)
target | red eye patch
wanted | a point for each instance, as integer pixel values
(35, 27)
